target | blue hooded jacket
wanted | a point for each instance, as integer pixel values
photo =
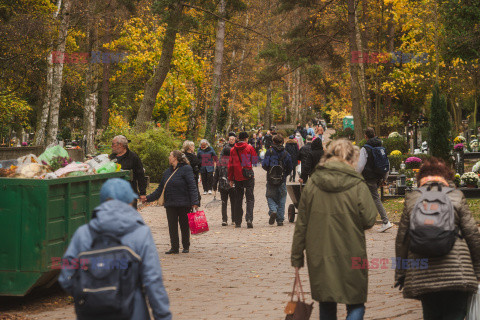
(119, 218)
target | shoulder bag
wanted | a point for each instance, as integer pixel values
(161, 201)
(247, 173)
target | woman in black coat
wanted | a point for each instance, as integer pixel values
(189, 151)
(180, 195)
(312, 159)
(291, 146)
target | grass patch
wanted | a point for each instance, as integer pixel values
(394, 208)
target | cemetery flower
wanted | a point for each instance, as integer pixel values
(396, 153)
(458, 147)
(394, 135)
(459, 139)
(413, 163)
(470, 178)
(476, 167)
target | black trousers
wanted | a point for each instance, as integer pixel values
(176, 215)
(293, 173)
(207, 181)
(225, 194)
(448, 305)
(245, 187)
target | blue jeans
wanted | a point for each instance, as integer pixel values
(328, 311)
(276, 198)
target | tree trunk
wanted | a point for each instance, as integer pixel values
(361, 69)
(44, 112)
(355, 86)
(91, 85)
(268, 107)
(105, 94)
(217, 74)
(45, 109)
(57, 76)
(286, 102)
(156, 81)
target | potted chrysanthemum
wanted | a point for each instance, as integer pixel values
(470, 179)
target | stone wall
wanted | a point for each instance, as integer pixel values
(17, 152)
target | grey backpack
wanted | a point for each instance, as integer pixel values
(432, 223)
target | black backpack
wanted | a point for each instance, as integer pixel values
(381, 164)
(276, 173)
(105, 286)
(432, 223)
(223, 183)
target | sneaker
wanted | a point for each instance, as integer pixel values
(171, 251)
(249, 224)
(279, 224)
(185, 251)
(385, 227)
(273, 216)
(224, 223)
(209, 191)
(204, 192)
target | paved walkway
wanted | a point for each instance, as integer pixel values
(246, 274)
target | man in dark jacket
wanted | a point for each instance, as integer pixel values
(291, 146)
(130, 161)
(366, 166)
(305, 150)
(312, 159)
(242, 156)
(277, 194)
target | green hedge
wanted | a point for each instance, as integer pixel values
(392, 144)
(154, 147)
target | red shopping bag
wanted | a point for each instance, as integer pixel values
(198, 222)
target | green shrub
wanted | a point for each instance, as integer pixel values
(395, 161)
(347, 134)
(154, 147)
(439, 129)
(392, 144)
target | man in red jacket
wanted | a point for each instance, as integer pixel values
(240, 174)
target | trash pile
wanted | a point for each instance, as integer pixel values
(55, 163)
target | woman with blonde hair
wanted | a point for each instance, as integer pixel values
(335, 209)
(180, 195)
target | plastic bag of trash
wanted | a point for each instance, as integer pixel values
(109, 167)
(32, 170)
(98, 161)
(53, 152)
(72, 167)
(31, 158)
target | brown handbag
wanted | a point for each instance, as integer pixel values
(298, 310)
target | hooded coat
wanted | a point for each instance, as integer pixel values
(335, 209)
(312, 159)
(292, 148)
(248, 156)
(125, 222)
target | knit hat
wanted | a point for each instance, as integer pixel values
(243, 135)
(118, 189)
(232, 134)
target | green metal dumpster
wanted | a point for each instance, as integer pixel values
(37, 221)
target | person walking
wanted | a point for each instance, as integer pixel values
(188, 149)
(319, 132)
(335, 209)
(207, 157)
(116, 216)
(291, 146)
(267, 140)
(366, 166)
(254, 143)
(240, 175)
(220, 181)
(180, 195)
(310, 130)
(130, 161)
(299, 139)
(311, 161)
(444, 284)
(303, 152)
(278, 164)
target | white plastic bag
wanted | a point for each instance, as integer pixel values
(473, 311)
(98, 161)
